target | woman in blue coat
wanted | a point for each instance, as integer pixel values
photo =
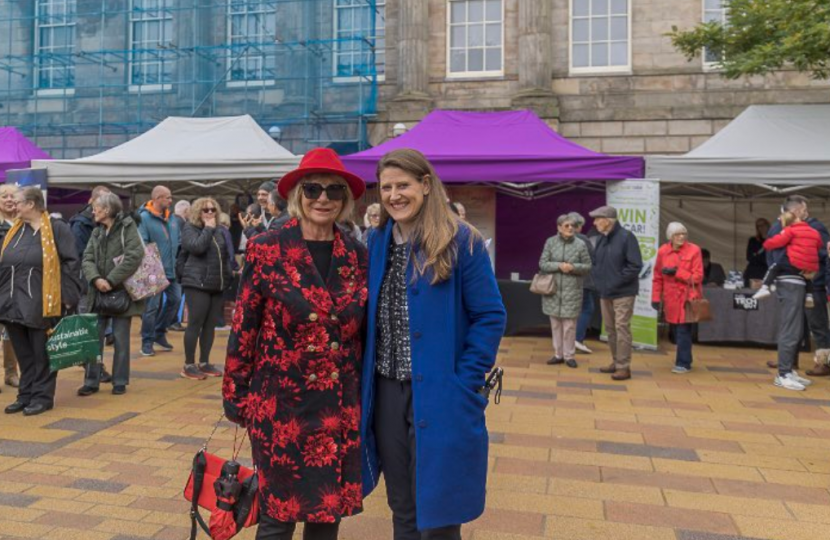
(435, 320)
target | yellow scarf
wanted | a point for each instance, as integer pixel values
(51, 264)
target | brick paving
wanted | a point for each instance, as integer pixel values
(718, 454)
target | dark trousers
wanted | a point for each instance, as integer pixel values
(203, 311)
(37, 382)
(271, 529)
(790, 324)
(159, 313)
(683, 337)
(395, 433)
(585, 316)
(817, 320)
(120, 327)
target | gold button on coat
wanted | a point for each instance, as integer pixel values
(335, 346)
(335, 375)
(311, 348)
(312, 377)
(312, 317)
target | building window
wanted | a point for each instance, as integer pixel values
(151, 34)
(600, 35)
(353, 28)
(55, 35)
(713, 11)
(251, 34)
(476, 38)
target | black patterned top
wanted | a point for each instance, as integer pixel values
(394, 356)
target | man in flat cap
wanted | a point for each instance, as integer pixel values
(616, 276)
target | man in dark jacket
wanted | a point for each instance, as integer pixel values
(817, 315)
(616, 276)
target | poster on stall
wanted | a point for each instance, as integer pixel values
(638, 210)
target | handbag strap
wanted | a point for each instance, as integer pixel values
(199, 466)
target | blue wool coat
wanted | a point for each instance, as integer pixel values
(455, 330)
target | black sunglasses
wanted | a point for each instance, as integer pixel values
(209, 210)
(334, 192)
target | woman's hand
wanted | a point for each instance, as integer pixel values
(210, 221)
(656, 306)
(103, 285)
(566, 268)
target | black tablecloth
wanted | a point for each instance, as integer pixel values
(524, 309)
(737, 325)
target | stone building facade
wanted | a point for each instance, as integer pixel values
(659, 103)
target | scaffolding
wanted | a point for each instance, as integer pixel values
(81, 76)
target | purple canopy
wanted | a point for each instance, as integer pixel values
(16, 151)
(511, 146)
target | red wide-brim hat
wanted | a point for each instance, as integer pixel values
(321, 161)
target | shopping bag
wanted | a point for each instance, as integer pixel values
(150, 278)
(74, 342)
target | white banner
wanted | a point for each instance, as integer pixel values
(638, 210)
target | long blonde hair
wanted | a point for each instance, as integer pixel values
(196, 211)
(436, 225)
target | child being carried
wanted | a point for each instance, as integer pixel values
(800, 258)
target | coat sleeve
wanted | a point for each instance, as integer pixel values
(694, 273)
(779, 240)
(657, 281)
(133, 255)
(88, 266)
(82, 233)
(633, 258)
(485, 309)
(546, 262)
(242, 343)
(196, 241)
(583, 265)
(144, 229)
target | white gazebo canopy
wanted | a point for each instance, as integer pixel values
(767, 146)
(183, 153)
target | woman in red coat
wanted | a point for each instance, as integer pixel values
(678, 275)
(292, 375)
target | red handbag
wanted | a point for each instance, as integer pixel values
(225, 489)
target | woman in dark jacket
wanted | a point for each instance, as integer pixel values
(8, 212)
(38, 281)
(755, 254)
(205, 276)
(116, 236)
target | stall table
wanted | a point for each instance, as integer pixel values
(524, 309)
(731, 323)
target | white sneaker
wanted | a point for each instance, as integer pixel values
(809, 302)
(582, 348)
(799, 378)
(788, 382)
(680, 369)
(762, 293)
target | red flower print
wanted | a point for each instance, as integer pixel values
(287, 433)
(351, 498)
(350, 416)
(311, 334)
(330, 421)
(320, 450)
(329, 497)
(322, 369)
(284, 510)
(318, 297)
(247, 340)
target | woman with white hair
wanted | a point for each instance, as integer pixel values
(678, 277)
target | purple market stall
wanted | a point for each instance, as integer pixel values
(518, 172)
(16, 151)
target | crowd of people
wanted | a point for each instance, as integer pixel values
(789, 257)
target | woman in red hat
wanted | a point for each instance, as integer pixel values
(292, 375)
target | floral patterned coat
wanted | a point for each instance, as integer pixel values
(292, 374)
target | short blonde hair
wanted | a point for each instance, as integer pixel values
(295, 198)
(9, 189)
(675, 227)
(225, 219)
(196, 210)
(376, 208)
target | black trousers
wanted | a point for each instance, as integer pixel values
(37, 383)
(395, 434)
(203, 311)
(271, 529)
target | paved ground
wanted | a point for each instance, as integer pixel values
(718, 454)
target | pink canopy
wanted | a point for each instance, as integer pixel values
(511, 146)
(16, 151)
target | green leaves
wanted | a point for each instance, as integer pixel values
(764, 35)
